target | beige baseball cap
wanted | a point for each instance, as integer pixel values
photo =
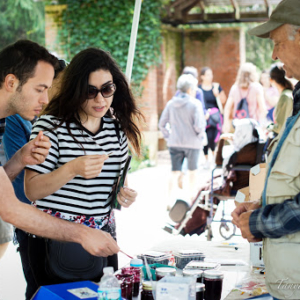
(286, 12)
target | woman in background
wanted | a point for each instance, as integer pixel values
(183, 124)
(271, 94)
(284, 107)
(214, 98)
(246, 98)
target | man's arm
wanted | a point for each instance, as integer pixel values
(33, 153)
(31, 220)
(276, 220)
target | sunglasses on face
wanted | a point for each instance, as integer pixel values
(106, 91)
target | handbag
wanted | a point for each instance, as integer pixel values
(242, 110)
(214, 118)
(71, 262)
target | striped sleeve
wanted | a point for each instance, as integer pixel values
(46, 124)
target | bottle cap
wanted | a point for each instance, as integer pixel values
(136, 262)
(108, 270)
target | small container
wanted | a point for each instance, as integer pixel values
(155, 257)
(162, 272)
(213, 280)
(202, 265)
(183, 257)
(200, 288)
(193, 273)
(147, 291)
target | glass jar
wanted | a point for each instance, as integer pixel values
(162, 272)
(136, 266)
(147, 291)
(126, 285)
(136, 273)
(213, 280)
(200, 288)
(193, 273)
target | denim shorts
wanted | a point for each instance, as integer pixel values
(6, 232)
(178, 155)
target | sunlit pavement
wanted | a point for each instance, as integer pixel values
(139, 228)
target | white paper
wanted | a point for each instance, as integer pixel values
(255, 170)
(240, 197)
(172, 291)
(83, 293)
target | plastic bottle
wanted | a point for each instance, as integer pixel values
(109, 287)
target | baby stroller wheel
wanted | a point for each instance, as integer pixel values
(227, 230)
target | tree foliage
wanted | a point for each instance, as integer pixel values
(107, 25)
(21, 19)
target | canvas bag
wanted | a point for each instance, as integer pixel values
(242, 110)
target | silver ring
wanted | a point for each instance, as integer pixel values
(125, 201)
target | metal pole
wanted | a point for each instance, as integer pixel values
(134, 29)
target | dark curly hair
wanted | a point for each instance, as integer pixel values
(73, 93)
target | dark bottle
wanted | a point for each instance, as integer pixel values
(213, 280)
(147, 291)
(200, 288)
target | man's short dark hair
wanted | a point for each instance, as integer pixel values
(21, 59)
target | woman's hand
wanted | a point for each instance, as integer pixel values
(216, 89)
(88, 166)
(126, 196)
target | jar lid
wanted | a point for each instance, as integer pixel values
(155, 255)
(136, 262)
(148, 286)
(213, 274)
(189, 253)
(200, 287)
(202, 265)
(194, 273)
(165, 271)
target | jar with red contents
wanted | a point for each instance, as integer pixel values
(136, 273)
(213, 280)
(126, 282)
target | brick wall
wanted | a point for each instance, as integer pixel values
(218, 49)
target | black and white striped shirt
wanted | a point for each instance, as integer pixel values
(81, 196)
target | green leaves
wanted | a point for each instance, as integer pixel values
(21, 19)
(107, 25)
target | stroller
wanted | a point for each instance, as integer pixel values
(246, 153)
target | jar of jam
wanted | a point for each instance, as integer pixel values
(147, 291)
(126, 281)
(162, 272)
(200, 288)
(213, 280)
(193, 273)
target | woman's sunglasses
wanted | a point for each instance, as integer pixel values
(106, 91)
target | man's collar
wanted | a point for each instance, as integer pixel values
(296, 95)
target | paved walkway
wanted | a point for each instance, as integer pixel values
(138, 228)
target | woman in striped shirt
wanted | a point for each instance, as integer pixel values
(88, 123)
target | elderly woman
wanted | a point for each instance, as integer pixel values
(183, 126)
(246, 98)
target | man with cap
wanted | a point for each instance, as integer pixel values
(275, 218)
